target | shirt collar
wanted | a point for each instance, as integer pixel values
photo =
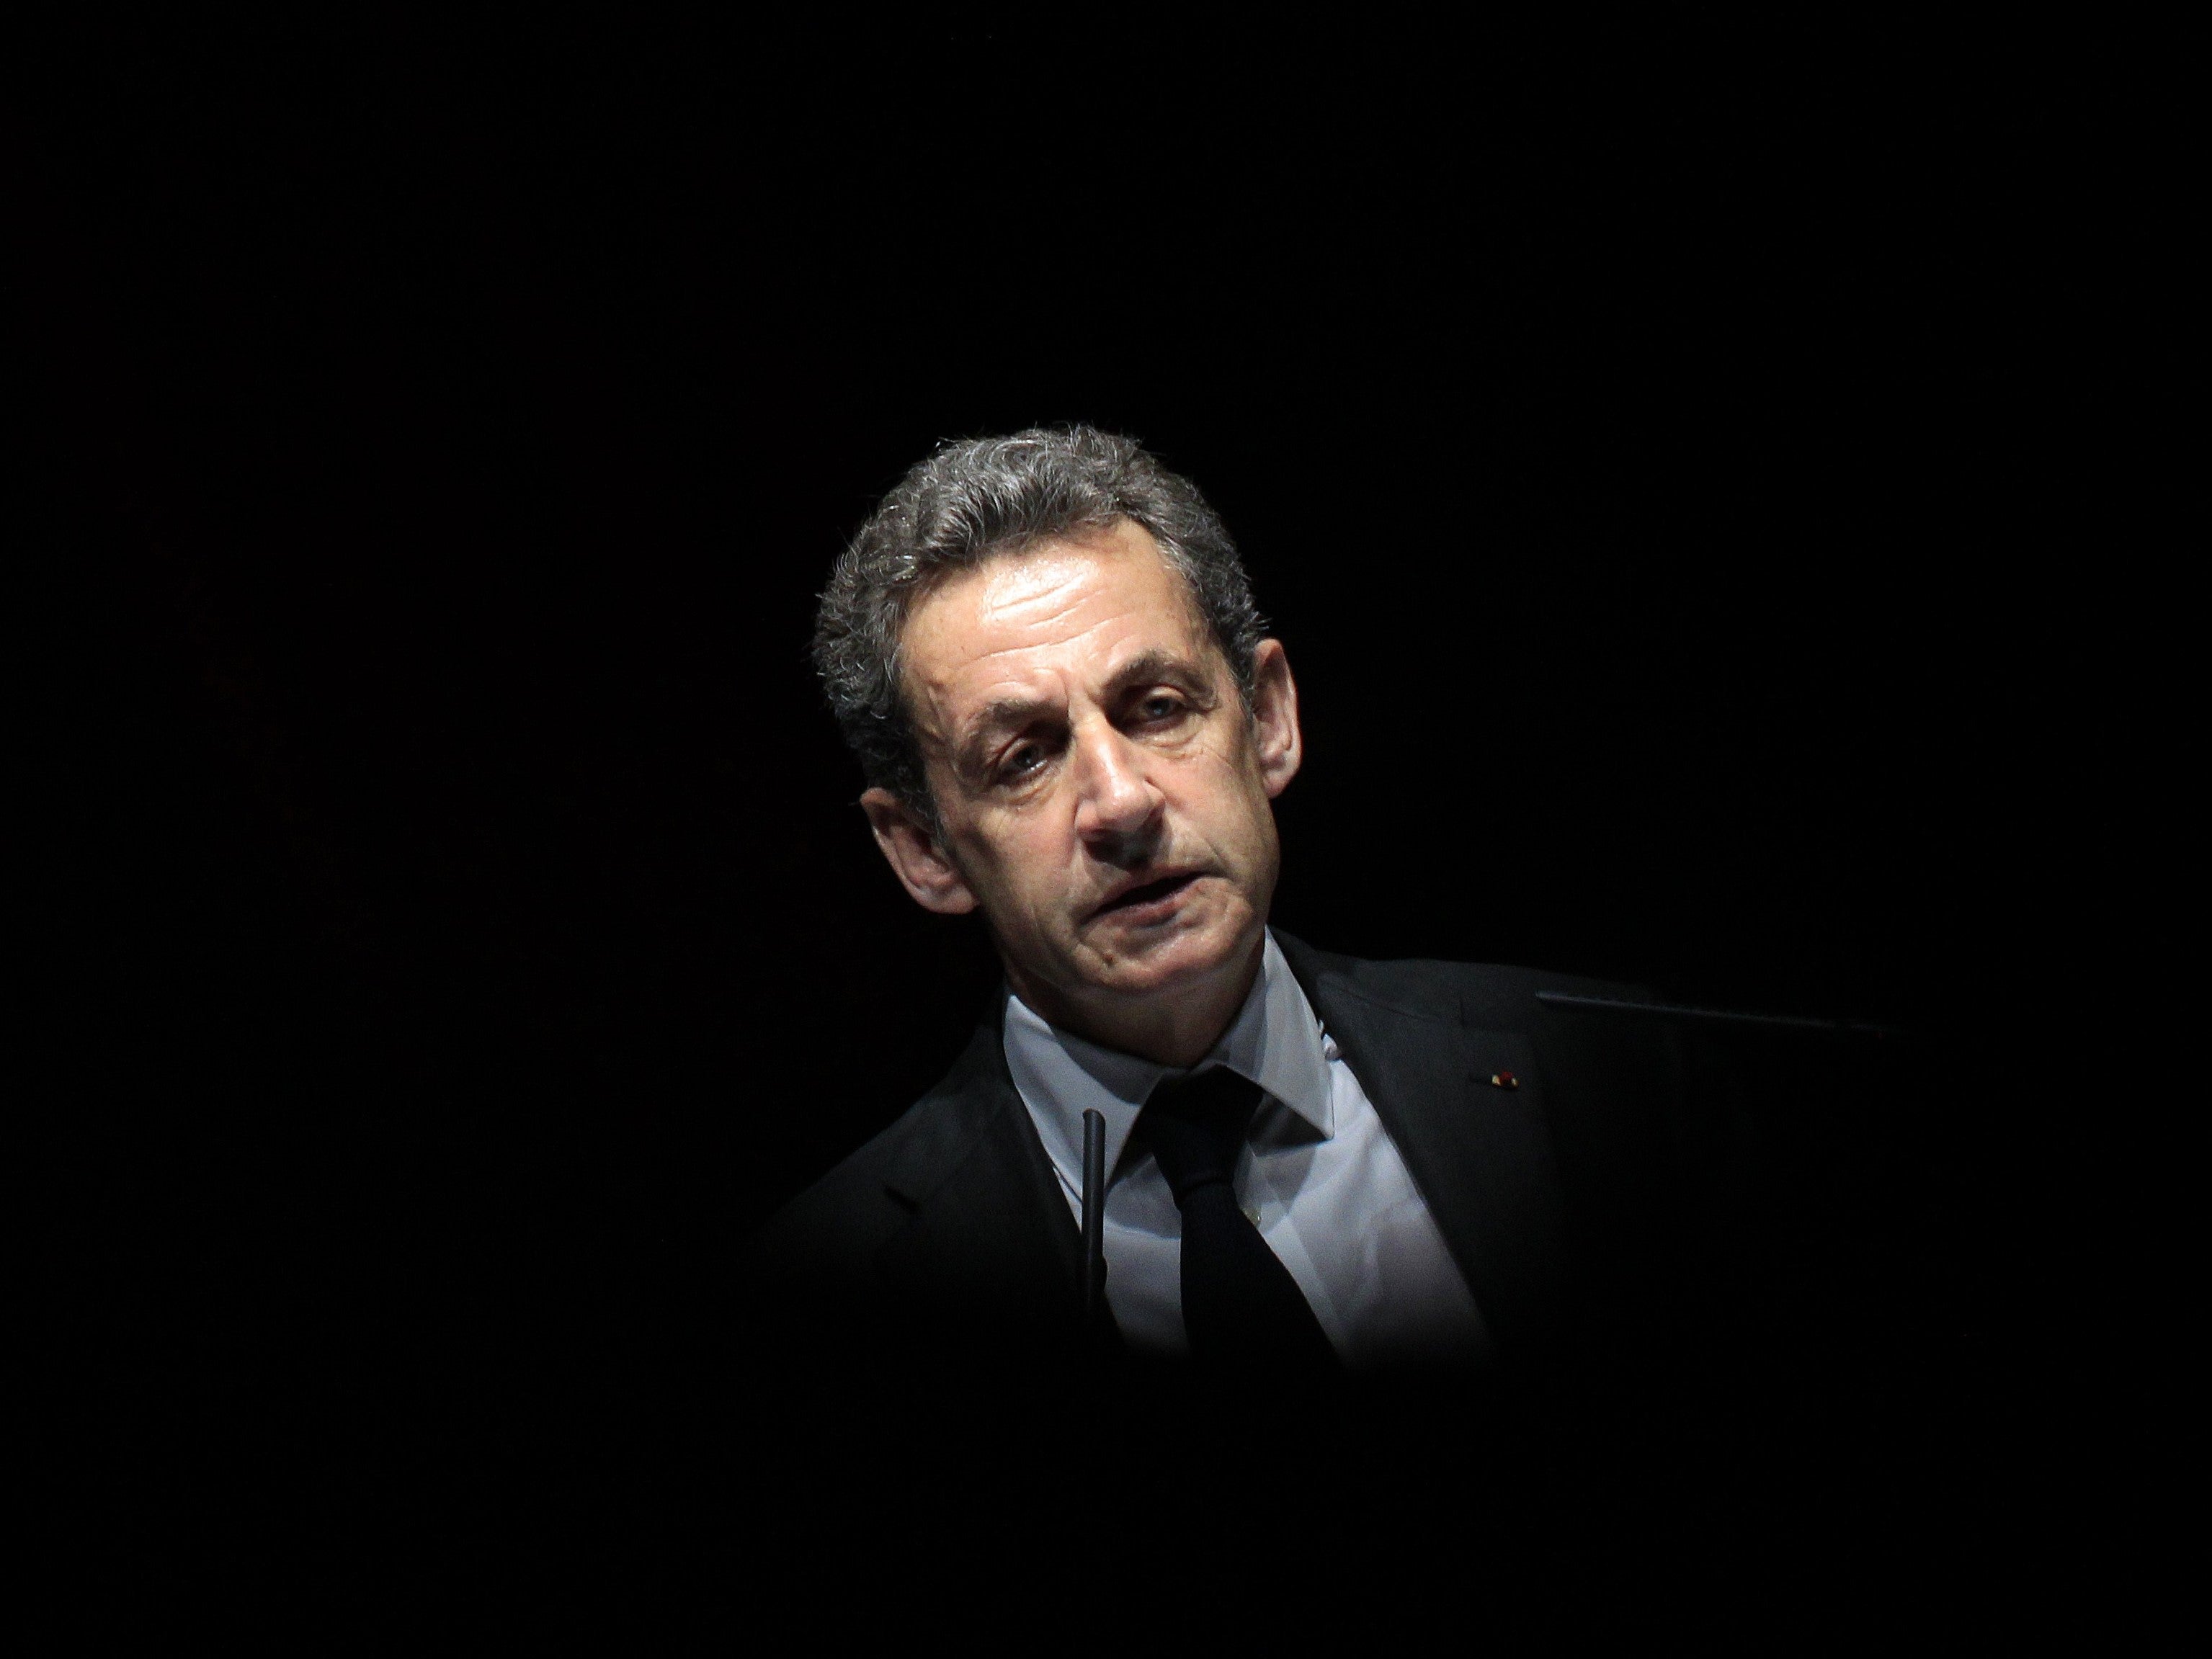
(1275, 1041)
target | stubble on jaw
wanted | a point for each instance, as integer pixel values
(1174, 1022)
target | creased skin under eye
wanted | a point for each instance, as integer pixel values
(1022, 762)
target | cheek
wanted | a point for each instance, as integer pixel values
(1235, 793)
(1016, 863)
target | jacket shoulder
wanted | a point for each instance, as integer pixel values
(1484, 995)
(837, 1224)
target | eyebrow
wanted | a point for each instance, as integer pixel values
(1003, 714)
(1160, 665)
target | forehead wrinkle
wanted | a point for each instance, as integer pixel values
(1039, 608)
(1034, 588)
(1010, 665)
(1056, 643)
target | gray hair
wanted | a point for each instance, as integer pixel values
(986, 496)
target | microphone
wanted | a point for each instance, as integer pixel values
(1093, 1219)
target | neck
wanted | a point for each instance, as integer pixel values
(1174, 1027)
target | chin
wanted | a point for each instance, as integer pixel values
(1186, 958)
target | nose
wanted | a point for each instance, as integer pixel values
(1119, 810)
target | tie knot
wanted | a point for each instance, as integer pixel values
(1197, 1126)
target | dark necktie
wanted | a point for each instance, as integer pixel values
(1240, 1305)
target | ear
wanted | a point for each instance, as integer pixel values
(914, 856)
(1275, 717)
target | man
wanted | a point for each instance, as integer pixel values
(1045, 653)
(1421, 1308)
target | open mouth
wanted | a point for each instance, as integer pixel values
(1149, 893)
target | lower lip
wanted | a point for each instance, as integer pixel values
(1151, 910)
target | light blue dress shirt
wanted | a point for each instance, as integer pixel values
(1320, 1180)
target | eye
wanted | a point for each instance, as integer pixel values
(1160, 706)
(1021, 761)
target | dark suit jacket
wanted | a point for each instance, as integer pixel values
(1679, 1408)
(920, 1400)
(1545, 1142)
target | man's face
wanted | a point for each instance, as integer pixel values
(1102, 793)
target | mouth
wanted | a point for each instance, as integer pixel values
(1148, 899)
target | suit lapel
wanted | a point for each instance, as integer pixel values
(991, 1247)
(1481, 1155)
(991, 1244)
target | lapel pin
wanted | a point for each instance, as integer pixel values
(1503, 1080)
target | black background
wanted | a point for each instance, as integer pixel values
(1636, 443)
